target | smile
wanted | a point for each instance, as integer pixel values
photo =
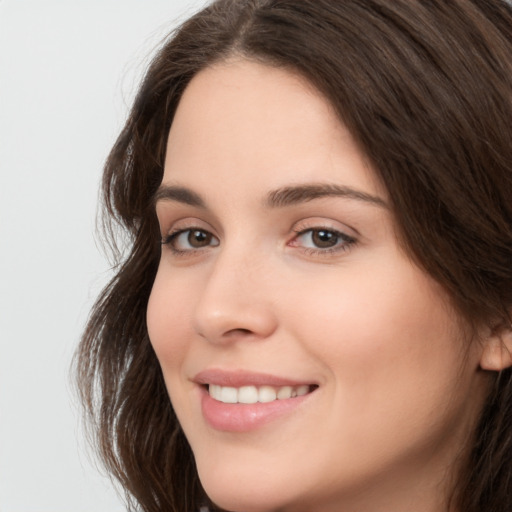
(242, 401)
(255, 394)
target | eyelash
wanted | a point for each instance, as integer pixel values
(346, 241)
(173, 236)
(343, 243)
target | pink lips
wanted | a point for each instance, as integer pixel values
(243, 378)
(244, 417)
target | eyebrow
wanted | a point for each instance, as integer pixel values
(296, 194)
(180, 194)
(279, 198)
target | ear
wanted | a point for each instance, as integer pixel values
(497, 349)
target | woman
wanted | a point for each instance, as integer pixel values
(320, 265)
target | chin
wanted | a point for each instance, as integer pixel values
(236, 503)
(240, 500)
(244, 494)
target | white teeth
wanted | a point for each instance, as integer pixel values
(228, 395)
(253, 394)
(248, 395)
(302, 390)
(214, 391)
(284, 393)
(267, 394)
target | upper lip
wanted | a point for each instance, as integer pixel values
(239, 378)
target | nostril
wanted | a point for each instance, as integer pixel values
(239, 331)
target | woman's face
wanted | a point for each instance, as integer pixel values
(311, 364)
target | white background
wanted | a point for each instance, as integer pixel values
(68, 70)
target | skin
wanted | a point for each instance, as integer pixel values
(399, 383)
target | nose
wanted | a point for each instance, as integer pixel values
(235, 303)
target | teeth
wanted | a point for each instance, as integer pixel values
(284, 393)
(215, 391)
(248, 395)
(253, 394)
(267, 394)
(302, 390)
(228, 395)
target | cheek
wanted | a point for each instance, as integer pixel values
(168, 319)
(394, 327)
(392, 347)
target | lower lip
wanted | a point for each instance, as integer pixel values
(245, 417)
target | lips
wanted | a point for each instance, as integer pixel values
(244, 378)
(242, 401)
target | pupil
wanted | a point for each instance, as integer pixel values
(198, 238)
(324, 238)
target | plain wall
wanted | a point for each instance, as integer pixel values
(68, 70)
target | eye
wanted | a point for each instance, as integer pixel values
(322, 240)
(188, 240)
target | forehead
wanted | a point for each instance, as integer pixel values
(247, 122)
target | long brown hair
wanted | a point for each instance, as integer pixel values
(425, 87)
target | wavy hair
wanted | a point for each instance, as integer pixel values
(425, 88)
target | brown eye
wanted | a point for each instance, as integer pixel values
(198, 238)
(324, 239)
(189, 240)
